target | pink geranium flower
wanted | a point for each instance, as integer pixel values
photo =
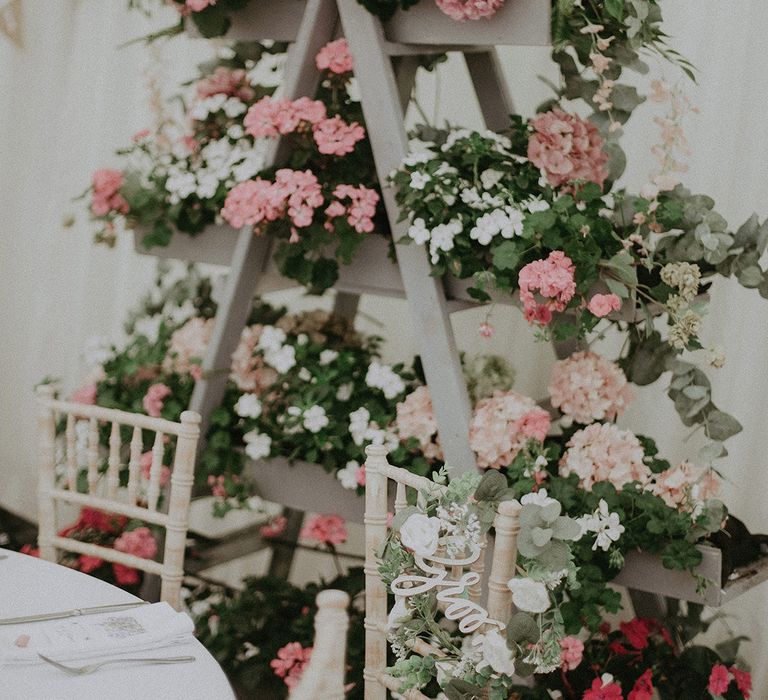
(416, 419)
(360, 210)
(334, 137)
(719, 680)
(571, 652)
(546, 286)
(154, 399)
(139, 542)
(85, 395)
(271, 117)
(567, 148)
(290, 662)
(106, 184)
(462, 10)
(145, 464)
(601, 305)
(275, 527)
(325, 529)
(225, 81)
(335, 57)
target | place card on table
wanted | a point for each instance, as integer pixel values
(136, 629)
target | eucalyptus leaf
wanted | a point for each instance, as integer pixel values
(402, 516)
(565, 528)
(541, 536)
(492, 486)
(721, 426)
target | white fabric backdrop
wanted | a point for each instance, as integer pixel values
(69, 97)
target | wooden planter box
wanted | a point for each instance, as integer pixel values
(518, 22)
(645, 572)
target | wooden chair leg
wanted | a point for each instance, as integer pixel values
(284, 550)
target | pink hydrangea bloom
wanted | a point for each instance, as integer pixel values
(325, 529)
(334, 137)
(416, 419)
(603, 452)
(145, 465)
(567, 148)
(139, 542)
(685, 485)
(719, 680)
(225, 81)
(275, 527)
(546, 286)
(502, 424)
(586, 387)
(571, 652)
(290, 662)
(360, 210)
(154, 399)
(106, 184)
(335, 57)
(85, 394)
(271, 117)
(188, 346)
(461, 10)
(601, 305)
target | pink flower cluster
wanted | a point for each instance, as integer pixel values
(325, 529)
(275, 527)
(502, 424)
(199, 5)
(269, 118)
(461, 10)
(187, 347)
(685, 485)
(567, 148)
(603, 452)
(294, 192)
(106, 184)
(225, 81)
(603, 690)
(139, 542)
(720, 679)
(145, 465)
(546, 286)
(335, 57)
(290, 662)
(416, 419)
(586, 387)
(154, 399)
(359, 212)
(571, 652)
(601, 305)
(248, 370)
(85, 394)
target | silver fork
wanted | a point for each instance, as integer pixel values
(90, 668)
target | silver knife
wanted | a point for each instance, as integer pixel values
(76, 612)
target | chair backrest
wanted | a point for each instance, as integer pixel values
(378, 474)
(323, 678)
(103, 488)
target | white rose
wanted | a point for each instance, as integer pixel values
(496, 653)
(420, 533)
(529, 595)
(248, 406)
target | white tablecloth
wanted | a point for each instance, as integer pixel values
(29, 586)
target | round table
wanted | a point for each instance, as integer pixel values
(30, 586)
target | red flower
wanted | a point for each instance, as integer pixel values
(87, 563)
(643, 688)
(719, 680)
(31, 550)
(636, 631)
(616, 647)
(743, 680)
(98, 520)
(603, 691)
(125, 575)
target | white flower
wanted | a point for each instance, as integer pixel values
(327, 356)
(358, 424)
(180, 183)
(418, 231)
(271, 338)
(538, 498)
(418, 157)
(529, 595)
(345, 391)
(304, 374)
(97, 351)
(607, 526)
(257, 445)
(419, 179)
(315, 419)
(249, 166)
(235, 132)
(537, 205)
(399, 614)
(496, 653)
(282, 360)
(420, 533)
(248, 406)
(234, 107)
(348, 474)
(268, 72)
(353, 89)
(490, 177)
(207, 184)
(382, 377)
(302, 339)
(442, 238)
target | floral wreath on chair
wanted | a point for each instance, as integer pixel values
(466, 650)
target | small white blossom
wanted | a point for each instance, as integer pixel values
(248, 406)
(315, 419)
(358, 424)
(419, 179)
(535, 205)
(234, 107)
(327, 356)
(382, 377)
(538, 498)
(348, 475)
(489, 178)
(304, 374)
(607, 526)
(282, 360)
(418, 231)
(442, 238)
(257, 445)
(344, 392)
(271, 338)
